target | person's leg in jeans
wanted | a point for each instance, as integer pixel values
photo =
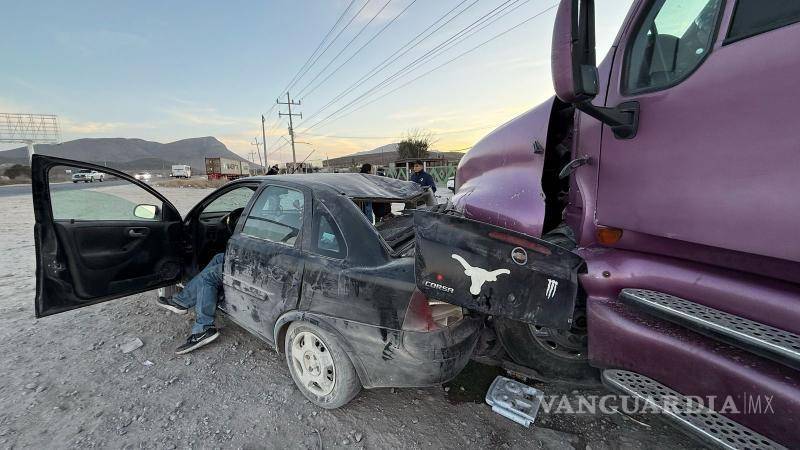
(201, 293)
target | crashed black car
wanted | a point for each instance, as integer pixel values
(305, 270)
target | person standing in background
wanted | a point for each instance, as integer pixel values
(421, 177)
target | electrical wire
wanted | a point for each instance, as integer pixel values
(405, 48)
(362, 47)
(346, 46)
(431, 70)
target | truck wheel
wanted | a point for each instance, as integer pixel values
(319, 366)
(555, 354)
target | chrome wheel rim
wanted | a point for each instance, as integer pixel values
(313, 363)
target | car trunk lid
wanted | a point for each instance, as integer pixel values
(495, 270)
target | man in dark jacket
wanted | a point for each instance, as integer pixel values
(421, 177)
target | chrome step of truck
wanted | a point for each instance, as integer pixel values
(707, 425)
(767, 341)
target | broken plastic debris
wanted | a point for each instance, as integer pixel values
(131, 345)
(514, 400)
(148, 363)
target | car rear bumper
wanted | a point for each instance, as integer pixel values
(391, 358)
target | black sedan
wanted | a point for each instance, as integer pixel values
(321, 266)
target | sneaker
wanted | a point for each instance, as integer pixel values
(168, 303)
(198, 340)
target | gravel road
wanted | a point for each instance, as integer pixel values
(67, 384)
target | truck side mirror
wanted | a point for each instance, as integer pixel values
(573, 57)
(574, 68)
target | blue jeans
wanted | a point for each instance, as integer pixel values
(366, 208)
(201, 292)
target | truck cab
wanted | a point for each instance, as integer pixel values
(669, 169)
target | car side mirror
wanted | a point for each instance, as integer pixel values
(574, 68)
(147, 212)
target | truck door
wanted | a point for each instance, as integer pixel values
(715, 158)
(95, 244)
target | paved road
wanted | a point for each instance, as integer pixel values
(25, 189)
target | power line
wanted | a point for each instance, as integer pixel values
(460, 35)
(362, 47)
(405, 48)
(346, 46)
(398, 137)
(429, 71)
(328, 46)
(305, 65)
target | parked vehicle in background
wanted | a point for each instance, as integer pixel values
(305, 270)
(670, 171)
(227, 169)
(181, 171)
(88, 176)
(143, 176)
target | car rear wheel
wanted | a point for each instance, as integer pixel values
(319, 366)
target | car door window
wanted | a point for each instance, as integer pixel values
(79, 194)
(752, 17)
(671, 42)
(328, 239)
(277, 215)
(230, 200)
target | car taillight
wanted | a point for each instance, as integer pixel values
(429, 315)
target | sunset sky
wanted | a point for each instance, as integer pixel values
(165, 71)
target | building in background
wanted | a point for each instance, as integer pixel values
(387, 157)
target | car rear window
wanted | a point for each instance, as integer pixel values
(329, 240)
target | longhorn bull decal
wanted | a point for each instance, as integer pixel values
(479, 276)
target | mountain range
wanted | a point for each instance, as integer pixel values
(130, 154)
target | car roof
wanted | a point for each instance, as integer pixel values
(354, 185)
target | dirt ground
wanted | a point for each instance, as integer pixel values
(66, 383)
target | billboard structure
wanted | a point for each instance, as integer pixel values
(29, 129)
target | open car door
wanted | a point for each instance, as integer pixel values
(98, 242)
(494, 270)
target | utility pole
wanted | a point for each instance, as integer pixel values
(264, 142)
(290, 103)
(258, 150)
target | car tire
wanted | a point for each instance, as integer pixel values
(554, 354)
(323, 372)
(74, 181)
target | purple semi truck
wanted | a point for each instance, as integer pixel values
(651, 210)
